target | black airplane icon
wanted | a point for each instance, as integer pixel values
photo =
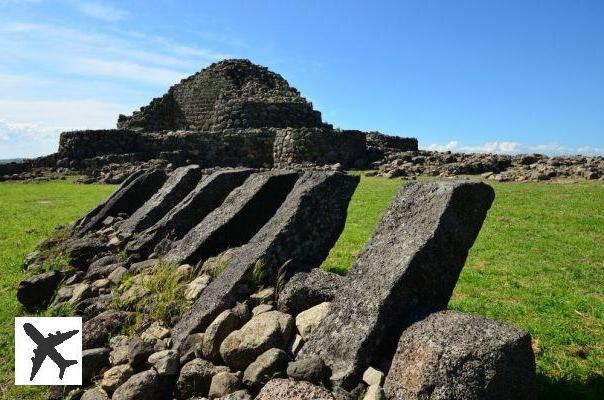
(46, 347)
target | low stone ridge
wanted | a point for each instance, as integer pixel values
(302, 231)
(221, 293)
(451, 355)
(409, 265)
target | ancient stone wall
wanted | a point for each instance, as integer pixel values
(381, 141)
(318, 146)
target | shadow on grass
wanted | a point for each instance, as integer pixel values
(563, 389)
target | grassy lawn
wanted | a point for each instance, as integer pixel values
(537, 264)
(28, 214)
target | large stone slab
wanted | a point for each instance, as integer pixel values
(409, 265)
(202, 200)
(451, 355)
(236, 221)
(302, 231)
(131, 194)
(179, 183)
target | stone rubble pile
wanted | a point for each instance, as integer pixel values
(197, 285)
(497, 167)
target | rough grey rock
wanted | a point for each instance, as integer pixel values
(93, 361)
(311, 369)
(307, 289)
(238, 395)
(165, 362)
(139, 350)
(95, 394)
(302, 230)
(285, 389)
(115, 376)
(132, 193)
(195, 378)
(177, 186)
(96, 271)
(202, 200)
(226, 322)
(142, 386)
(80, 252)
(307, 321)
(96, 331)
(451, 355)
(272, 329)
(238, 218)
(37, 291)
(270, 364)
(119, 349)
(196, 286)
(409, 265)
(374, 392)
(224, 383)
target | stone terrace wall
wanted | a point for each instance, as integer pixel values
(381, 141)
(318, 146)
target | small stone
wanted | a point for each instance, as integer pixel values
(295, 345)
(195, 288)
(117, 275)
(311, 369)
(270, 364)
(115, 376)
(139, 350)
(101, 283)
(372, 376)
(263, 296)
(217, 331)
(95, 394)
(114, 242)
(93, 361)
(224, 383)
(262, 308)
(195, 378)
(142, 386)
(37, 291)
(374, 392)
(165, 362)
(155, 331)
(307, 321)
(184, 271)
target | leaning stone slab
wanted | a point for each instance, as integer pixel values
(451, 355)
(37, 291)
(202, 200)
(177, 186)
(302, 231)
(241, 215)
(409, 265)
(131, 194)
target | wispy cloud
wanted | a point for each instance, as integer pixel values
(509, 147)
(102, 11)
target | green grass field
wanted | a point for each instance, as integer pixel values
(537, 264)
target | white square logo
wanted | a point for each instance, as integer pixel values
(48, 351)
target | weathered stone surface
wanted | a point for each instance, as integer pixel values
(139, 350)
(240, 216)
(311, 369)
(196, 286)
(302, 230)
(238, 395)
(285, 389)
(119, 349)
(409, 265)
(205, 198)
(451, 355)
(224, 383)
(226, 322)
(37, 291)
(95, 394)
(93, 361)
(132, 193)
(307, 289)
(115, 376)
(96, 331)
(155, 331)
(177, 186)
(375, 392)
(195, 378)
(270, 364)
(165, 362)
(79, 252)
(142, 386)
(272, 329)
(372, 376)
(307, 321)
(96, 271)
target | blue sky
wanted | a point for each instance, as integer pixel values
(502, 76)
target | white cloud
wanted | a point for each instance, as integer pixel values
(508, 147)
(128, 70)
(102, 11)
